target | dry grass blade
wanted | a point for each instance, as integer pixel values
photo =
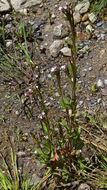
(95, 140)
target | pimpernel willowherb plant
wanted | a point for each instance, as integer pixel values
(59, 142)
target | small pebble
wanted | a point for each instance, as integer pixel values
(80, 82)
(31, 22)
(105, 81)
(8, 26)
(100, 84)
(48, 103)
(88, 88)
(90, 68)
(103, 36)
(57, 94)
(17, 112)
(87, 43)
(8, 43)
(21, 154)
(23, 11)
(53, 16)
(99, 24)
(51, 98)
(41, 5)
(99, 100)
(84, 74)
(81, 102)
(85, 58)
(81, 45)
(49, 76)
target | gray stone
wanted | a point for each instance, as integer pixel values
(53, 16)
(8, 26)
(87, 42)
(99, 100)
(82, 7)
(103, 36)
(84, 186)
(23, 11)
(85, 49)
(92, 17)
(57, 94)
(21, 154)
(81, 102)
(90, 68)
(56, 47)
(89, 29)
(49, 76)
(20, 4)
(105, 81)
(66, 51)
(86, 23)
(77, 17)
(8, 43)
(60, 31)
(99, 24)
(79, 82)
(81, 45)
(4, 5)
(57, 31)
(84, 75)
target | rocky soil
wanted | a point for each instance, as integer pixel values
(50, 32)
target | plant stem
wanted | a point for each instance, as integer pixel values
(73, 62)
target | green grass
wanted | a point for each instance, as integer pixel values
(10, 178)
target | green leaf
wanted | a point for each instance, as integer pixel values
(70, 68)
(66, 101)
(45, 128)
(62, 104)
(93, 88)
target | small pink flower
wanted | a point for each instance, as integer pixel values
(67, 4)
(27, 93)
(70, 6)
(65, 69)
(42, 115)
(60, 8)
(55, 69)
(65, 7)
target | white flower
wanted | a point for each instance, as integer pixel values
(46, 137)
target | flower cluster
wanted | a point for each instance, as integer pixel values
(41, 116)
(65, 68)
(56, 70)
(65, 9)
